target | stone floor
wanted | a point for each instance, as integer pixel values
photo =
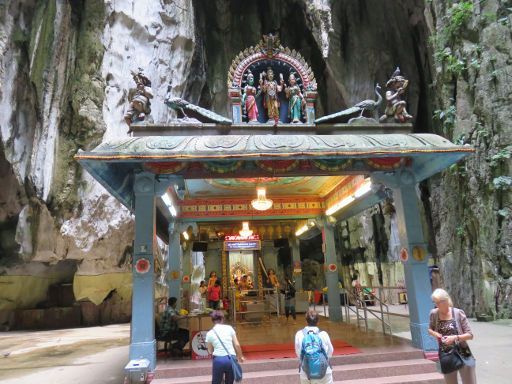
(98, 354)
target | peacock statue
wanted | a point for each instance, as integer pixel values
(370, 105)
(193, 111)
(354, 113)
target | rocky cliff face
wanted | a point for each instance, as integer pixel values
(471, 202)
(65, 73)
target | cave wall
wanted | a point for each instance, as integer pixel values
(471, 46)
(65, 73)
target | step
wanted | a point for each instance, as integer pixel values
(423, 378)
(271, 375)
(186, 368)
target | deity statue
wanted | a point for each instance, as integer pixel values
(139, 97)
(270, 88)
(249, 99)
(396, 107)
(297, 102)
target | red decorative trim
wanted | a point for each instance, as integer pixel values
(386, 162)
(404, 255)
(277, 165)
(142, 266)
(160, 168)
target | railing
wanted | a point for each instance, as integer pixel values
(358, 306)
(362, 311)
(270, 301)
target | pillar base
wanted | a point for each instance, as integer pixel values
(144, 350)
(335, 313)
(421, 339)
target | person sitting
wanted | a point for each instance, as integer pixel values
(169, 329)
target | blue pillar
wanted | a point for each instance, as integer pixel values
(331, 275)
(142, 344)
(296, 262)
(416, 267)
(174, 266)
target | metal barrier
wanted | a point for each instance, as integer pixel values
(361, 310)
(270, 301)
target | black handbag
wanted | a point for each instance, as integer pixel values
(235, 365)
(450, 360)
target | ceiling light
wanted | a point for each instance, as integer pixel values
(261, 203)
(245, 231)
(168, 203)
(363, 189)
(340, 204)
(301, 230)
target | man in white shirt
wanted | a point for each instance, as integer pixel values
(312, 325)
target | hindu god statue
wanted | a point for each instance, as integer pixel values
(395, 106)
(249, 99)
(270, 89)
(140, 105)
(296, 103)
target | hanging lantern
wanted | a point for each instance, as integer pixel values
(261, 203)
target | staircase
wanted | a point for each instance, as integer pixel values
(402, 367)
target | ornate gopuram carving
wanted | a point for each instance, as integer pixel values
(258, 91)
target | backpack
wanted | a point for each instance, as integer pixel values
(313, 359)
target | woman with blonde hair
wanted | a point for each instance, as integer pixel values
(450, 327)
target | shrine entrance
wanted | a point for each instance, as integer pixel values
(198, 179)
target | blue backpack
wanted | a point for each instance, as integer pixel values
(313, 359)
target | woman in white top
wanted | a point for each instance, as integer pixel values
(312, 322)
(221, 362)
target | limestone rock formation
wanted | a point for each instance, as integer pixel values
(64, 77)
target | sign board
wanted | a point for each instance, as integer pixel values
(241, 238)
(198, 346)
(242, 245)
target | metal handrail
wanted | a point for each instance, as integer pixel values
(358, 304)
(382, 305)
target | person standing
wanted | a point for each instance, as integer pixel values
(223, 345)
(289, 300)
(311, 331)
(450, 327)
(214, 295)
(212, 279)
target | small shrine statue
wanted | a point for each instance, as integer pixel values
(296, 105)
(249, 99)
(270, 88)
(396, 107)
(140, 105)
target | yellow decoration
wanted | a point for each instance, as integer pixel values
(418, 253)
(183, 312)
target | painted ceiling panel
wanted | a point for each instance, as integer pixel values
(276, 186)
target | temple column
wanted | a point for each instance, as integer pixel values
(186, 268)
(297, 276)
(174, 264)
(414, 257)
(331, 273)
(236, 105)
(142, 343)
